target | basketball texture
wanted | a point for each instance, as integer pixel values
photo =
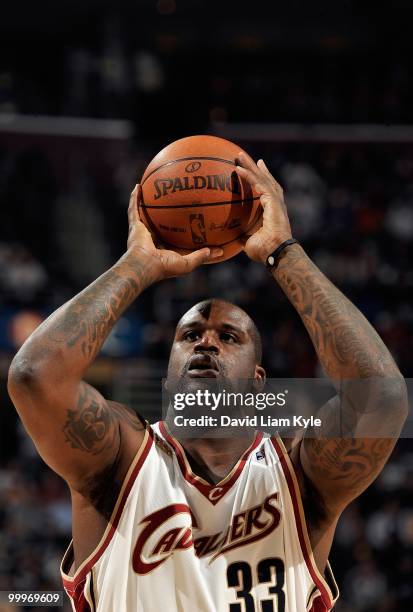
(192, 197)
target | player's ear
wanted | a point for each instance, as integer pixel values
(260, 377)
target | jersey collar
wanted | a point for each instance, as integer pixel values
(213, 492)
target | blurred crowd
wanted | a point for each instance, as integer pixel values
(35, 523)
(130, 62)
(350, 206)
(114, 80)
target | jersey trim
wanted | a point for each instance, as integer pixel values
(213, 492)
(71, 582)
(326, 594)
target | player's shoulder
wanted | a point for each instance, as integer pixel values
(159, 440)
(128, 417)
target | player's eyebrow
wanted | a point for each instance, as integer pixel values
(200, 322)
(233, 328)
(190, 324)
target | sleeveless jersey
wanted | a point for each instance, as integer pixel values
(177, 543)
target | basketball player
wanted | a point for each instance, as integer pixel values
(202, 525)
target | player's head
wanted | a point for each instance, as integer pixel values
(216, 340)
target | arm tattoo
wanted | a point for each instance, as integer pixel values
(347, 345)
(92, 427)
(89, 317)
(352, 462)
(345, 460)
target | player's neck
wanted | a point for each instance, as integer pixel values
(213, 459)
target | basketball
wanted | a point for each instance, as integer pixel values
(192, 197)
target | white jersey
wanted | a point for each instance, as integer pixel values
(177, 543)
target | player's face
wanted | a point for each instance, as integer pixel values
(213, 343)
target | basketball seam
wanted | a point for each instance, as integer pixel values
(175, 161)
(200, 205)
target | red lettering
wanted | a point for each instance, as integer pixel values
(214, 542)
(237, 528)
(269, 528)
(252, 519)
(199, 545)
(186, 540)
(155, 520)
(246, 527)
(166, 542)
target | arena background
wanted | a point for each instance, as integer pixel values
(89, 92)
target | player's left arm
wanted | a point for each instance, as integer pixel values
(372, 398)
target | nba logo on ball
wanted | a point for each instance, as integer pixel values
(197, 224)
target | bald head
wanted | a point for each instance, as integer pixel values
(205, 307)
(215, 340)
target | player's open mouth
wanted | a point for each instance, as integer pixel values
(203, 366)
(195, 373)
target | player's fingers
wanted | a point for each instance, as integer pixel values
(197, 258)
(263, 166)
(251, 178)
(255, 175)
(259, 186)
(247, 162)
(133, 216)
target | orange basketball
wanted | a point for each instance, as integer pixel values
(192, 197)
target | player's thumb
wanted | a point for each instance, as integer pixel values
(202, 256)
(134, 201)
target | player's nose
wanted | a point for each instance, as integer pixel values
(207, 342)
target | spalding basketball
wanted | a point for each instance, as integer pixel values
(192, 197)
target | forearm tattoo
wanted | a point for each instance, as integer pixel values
(89, 317)
(339, 459)
(347, 345)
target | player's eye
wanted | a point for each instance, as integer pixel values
(191, 336)
(226, 337)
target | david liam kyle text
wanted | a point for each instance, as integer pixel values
(247, 421)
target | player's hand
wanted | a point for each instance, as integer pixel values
(164, 263)
(275, 227)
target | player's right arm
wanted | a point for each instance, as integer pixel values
(76, 431)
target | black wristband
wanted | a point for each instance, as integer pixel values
(272, 260)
